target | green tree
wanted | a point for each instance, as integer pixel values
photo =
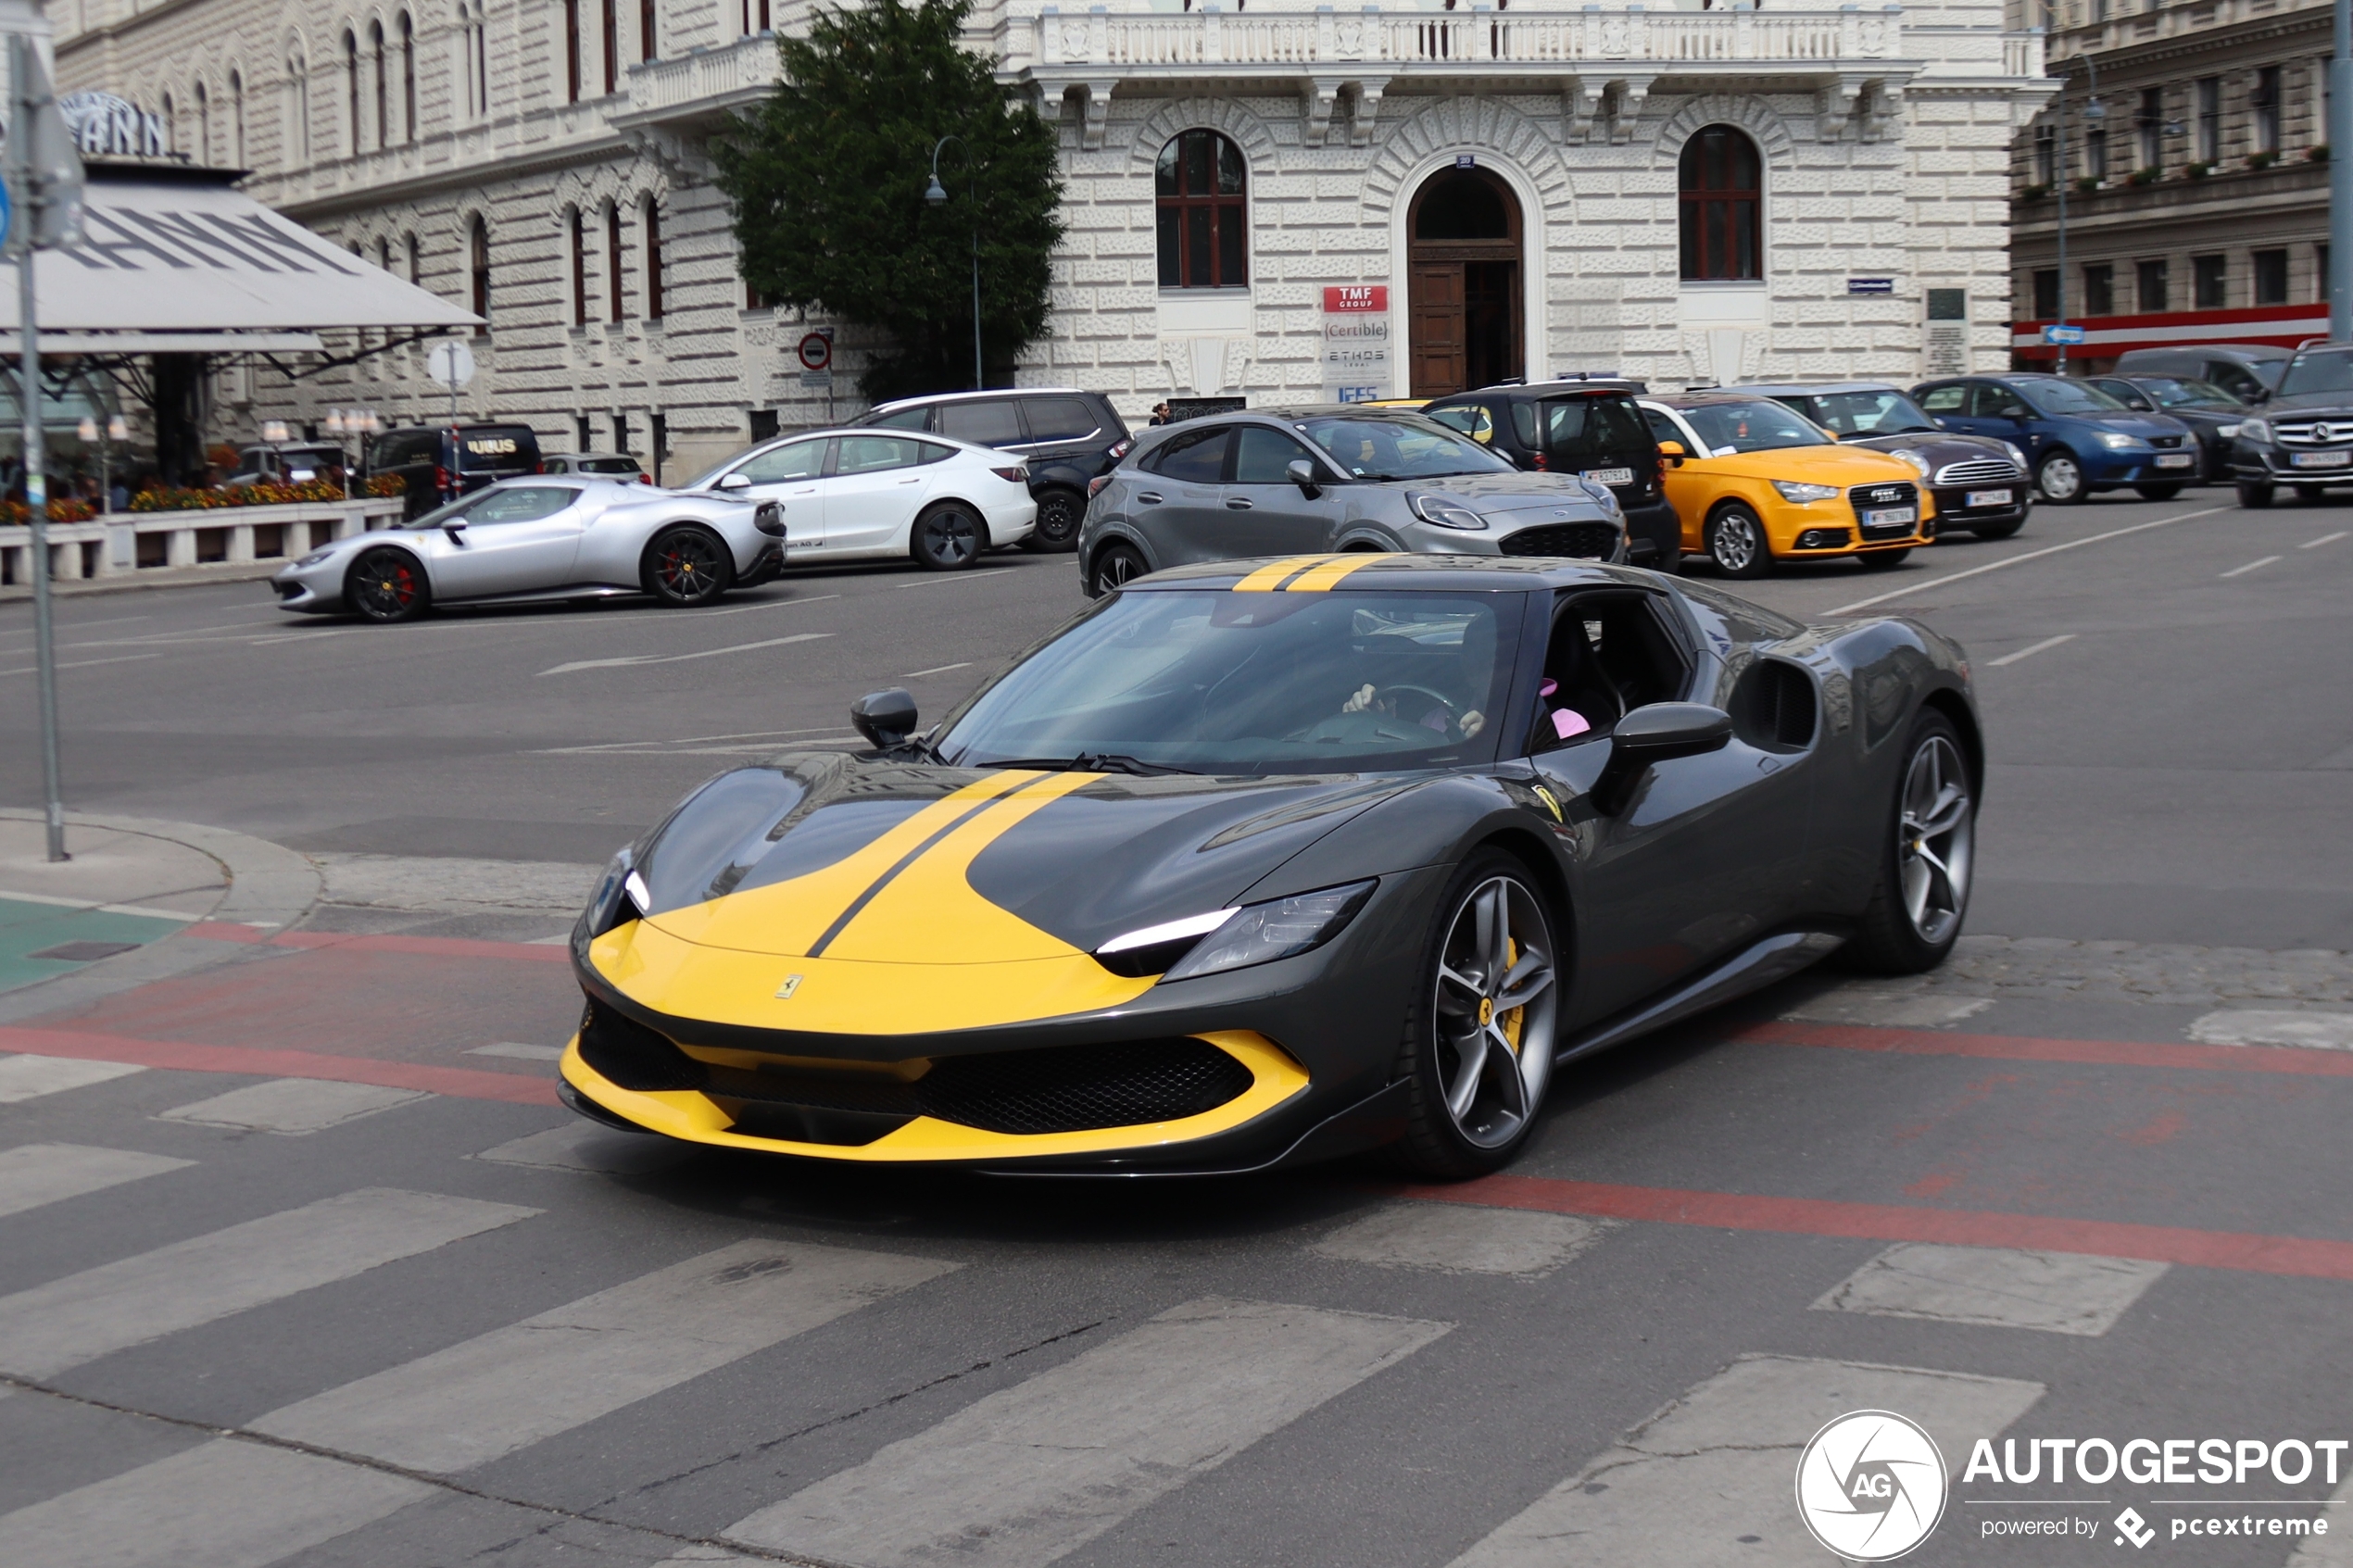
(827, 181)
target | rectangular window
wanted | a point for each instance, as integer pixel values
(648, 35)
(2099, 289)
(764, 425)
(2047, 295)
(653, 262)
(2046, 155)
(2210, 119)
(571, 52)
(2271, 277)
(2321, 273)
(2267, 109)
(612, 46)
(612, 260)
(2207, 274)
(619, 434)
(2152, 293)
(2148, 128)
(579, 271)
(2096, 155)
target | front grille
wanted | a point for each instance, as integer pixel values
(1585, 541)
(629, 1056)
(287, 590)
(1871, 498)
(2314, 432)
(2165, 440)
(1978, 470)
(1073, 1088)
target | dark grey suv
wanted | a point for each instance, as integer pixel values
(1329, 480)
(1067, 437)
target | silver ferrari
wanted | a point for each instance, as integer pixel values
(548, 536)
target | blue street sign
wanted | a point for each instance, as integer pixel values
(8, 214)
(2063, 334)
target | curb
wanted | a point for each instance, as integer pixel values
(152, 578)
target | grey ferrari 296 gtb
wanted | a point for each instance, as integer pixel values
(1257, 862)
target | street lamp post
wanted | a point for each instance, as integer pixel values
(938, 196)
(2093, 110)
(2341, 179)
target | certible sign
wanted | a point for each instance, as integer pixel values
(816, 351)
(1355, 343)
(450, 363)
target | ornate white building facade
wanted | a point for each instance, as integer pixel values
(1542, 186)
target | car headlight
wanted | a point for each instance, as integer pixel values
(2016, 456)
(1235, 938)
(619, 897)
(316, 557)
(2226, 432)
(1604, 496)
(1912, 458)
(2254, 430)
(1446, 514)
(1796, 490)
(2116, 440)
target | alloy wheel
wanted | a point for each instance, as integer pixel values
(383, 585)
(1116, 568)
(1936, 839)
(1495, 1005)
(1734, 544)
(688, 565)
(947, 538)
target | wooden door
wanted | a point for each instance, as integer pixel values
(1436, 346)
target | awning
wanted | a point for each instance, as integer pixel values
(186, 264)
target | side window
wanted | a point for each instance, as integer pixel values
(906, 419)
(1664, 428)
(1261, 455)
(1609, 655)
(1462, 416)
(794, 460)
(933, 452)
(1058, 418)
(527, 502)
(2233, 378)
(1194, 456)
(1482, 428)
(873, 454)
(2000, 403)
(990, 423)
(1950, 399)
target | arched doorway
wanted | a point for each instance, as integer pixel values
(1464, 302)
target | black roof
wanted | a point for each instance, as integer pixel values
(1814, 389)
(1558, 387)
(1410, 571)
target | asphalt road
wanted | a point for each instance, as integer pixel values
(300, 1264)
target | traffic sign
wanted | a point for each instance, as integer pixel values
(452, 363)
(816, 352)
(8, 214)
(2069, 335)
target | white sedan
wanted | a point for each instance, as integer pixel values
(850, 495)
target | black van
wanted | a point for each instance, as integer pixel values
(1590, 427)
(440, 463)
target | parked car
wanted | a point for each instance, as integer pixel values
(438, 463)
(1067, 438)
(863, 494)
(528, 540)
(2247, 371)
(1756, 484)
(1980, 483)
(1319, 481)
(2303, 436)
(2213, 413)
(615, 465)
(288, 462)
(1579, 426)
(2079, 439)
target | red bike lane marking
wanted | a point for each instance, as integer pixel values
(433, 946)
(2293, 1060)
(459, 1082)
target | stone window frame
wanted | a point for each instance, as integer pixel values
(1693, 203)
(1222, 206)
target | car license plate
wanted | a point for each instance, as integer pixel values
(2177, 460)
(1888, 517)
(2319, 459)
(1610, 476)
(1987, 498)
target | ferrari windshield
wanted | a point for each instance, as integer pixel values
(1394, 447)
(1216, 681)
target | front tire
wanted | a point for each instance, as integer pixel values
(2060, 479)
(1736, 543)
(2254, 497)
(1928, 854)
(1115, 567)
(1478, 1042)
(1879, 560)
(1060, 511)
(2157, 492)
(948, 537)
(686, 566)
(386, 585)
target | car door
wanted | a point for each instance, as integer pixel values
(1264, 513)
(516, 540)
(787, 474)
(2000, 412)
(1692, 485)
(873, 489)
(1178, 500)
(1948, 405)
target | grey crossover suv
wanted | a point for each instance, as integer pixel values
(1327, 480)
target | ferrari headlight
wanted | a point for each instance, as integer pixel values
(315, 558)
(1907, 454)
(2116, 440)
(2254, 430)
(1446, 514)
(1800, 492)
(2016, 456)
(619, 898)
(1224, 939)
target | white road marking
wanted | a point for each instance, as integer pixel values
(2256, 1027)
(581, 1145)
(774, 603)
(2018, 560)
(2031, 650)
(36, 1174)
(954, 577)
(1456, 1238)
(2250, 566)
(28, 1077)
(83, 663)
(517, 1049)
(935, 669)
(1029, 1473)
(1864, 1005)
(2335, 1548)
(1996, 1287)
(681, 658)
(144, 911)
(2323, 539)
(294, 1107)
(76, 1318)
(1707, 1481)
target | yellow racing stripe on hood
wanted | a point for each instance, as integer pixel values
(1264, 580)
(1316, 578)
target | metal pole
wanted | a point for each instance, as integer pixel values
(980, 378)
(2341, 179)
(2061, 172)
(36, 488)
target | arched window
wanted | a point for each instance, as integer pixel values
(1205, 235)
(578, 232)
(478, 258)
(351, 87)
(171, 125)
(204, 124)
(384, 92)
(298, 136)
(1722, 185)
(612, 259)
(652, 217)
(416, 262)
(236, 120)
(408, 78)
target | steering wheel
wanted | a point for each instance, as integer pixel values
(1453, 709)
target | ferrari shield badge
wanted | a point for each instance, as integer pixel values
(792, 984)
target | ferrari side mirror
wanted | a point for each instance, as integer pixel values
(1658, 731)
(1303, 474)
(886, 718)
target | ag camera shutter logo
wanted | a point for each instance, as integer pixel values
(1871, 1486)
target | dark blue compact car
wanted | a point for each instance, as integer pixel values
(2077, 439)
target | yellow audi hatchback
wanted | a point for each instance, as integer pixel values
(1754, 482)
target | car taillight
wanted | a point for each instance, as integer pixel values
(644, 479)
(1537, 461)
(539, 468)
(1014, 476)
(1121, 448)
(1095, 485)
(441, 479)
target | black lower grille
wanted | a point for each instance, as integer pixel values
(1073, 1088)
(1585, 541)
(629, 1056)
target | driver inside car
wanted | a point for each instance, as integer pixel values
(1428, 705)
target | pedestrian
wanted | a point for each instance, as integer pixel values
(1161, 413)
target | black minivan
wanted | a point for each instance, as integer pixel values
(440, 463)
(1585, 427)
